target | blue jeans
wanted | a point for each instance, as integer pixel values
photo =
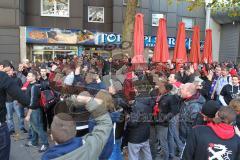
(162, 137)
(173, 137)
(37, 128)
(5, 142)
(11, 107)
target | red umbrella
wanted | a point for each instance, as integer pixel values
(138, 40)
(180, 53)
(161, 53)
(195, 47)
(207, 52)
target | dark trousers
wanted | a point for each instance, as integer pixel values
(4, 142)
(47, 118)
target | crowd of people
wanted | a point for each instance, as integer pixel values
(135, 111)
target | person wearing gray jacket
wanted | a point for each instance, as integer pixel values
(191, 105)
(93, 143)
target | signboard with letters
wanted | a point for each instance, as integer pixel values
(85, 37)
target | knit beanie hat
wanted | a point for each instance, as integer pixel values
(63, 128)
(210, 108)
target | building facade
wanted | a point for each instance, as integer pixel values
(229, 41)
(19, 18)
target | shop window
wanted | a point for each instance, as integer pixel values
(95, 14)
(55, 8)
(189, 23)
(155, 19)
(41, 53)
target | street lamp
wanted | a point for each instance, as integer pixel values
(208, 4)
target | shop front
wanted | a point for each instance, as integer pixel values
(44, 44)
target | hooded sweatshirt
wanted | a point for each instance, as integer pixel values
(213, 142)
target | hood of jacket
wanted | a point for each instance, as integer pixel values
(62, 149)
(222, 130)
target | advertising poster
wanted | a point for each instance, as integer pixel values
(56, 8)
(96, 14)
(155, 19)
(59, 36)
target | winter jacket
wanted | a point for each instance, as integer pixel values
(138, 127)
(238, 121)
(120, 103)
(18, 82)
(205, 91)
(182, 78)
(108, 148)
(188, 114)
(94, 87)
(44, 84)
(168, 106)
(214, 141)
(78, 80)
(62, 149)
(93, 143)
(8, 86)
(33, 91)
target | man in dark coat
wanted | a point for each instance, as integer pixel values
(7, 86)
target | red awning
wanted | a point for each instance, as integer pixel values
(161, 52)
(180, 53)
(207, 52)
(138, 40)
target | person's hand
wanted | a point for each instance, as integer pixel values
(27, 118)
(77, 70)
(54, 67)
(112, 90)
(191, 70)
(212, 96)
(210, 75)
(205, 61)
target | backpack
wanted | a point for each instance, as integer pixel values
(47, 99)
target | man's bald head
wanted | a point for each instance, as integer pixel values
(187, 90)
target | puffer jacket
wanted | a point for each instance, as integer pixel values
(188, 113)
(140, 120)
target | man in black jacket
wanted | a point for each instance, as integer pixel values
(34, 115)
(13, 106)
(7, 86)
(45, 85)
(217, 140)
(138, 127)
(167, 105)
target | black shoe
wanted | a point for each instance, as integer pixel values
(12, 132)
(43, 148)
(23, 130)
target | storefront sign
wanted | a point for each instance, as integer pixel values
(85, 37)
(149, 41)
(58, 36)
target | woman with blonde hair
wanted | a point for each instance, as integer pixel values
(107, 99)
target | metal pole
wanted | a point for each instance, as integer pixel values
(208, 16)
(208, 13)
